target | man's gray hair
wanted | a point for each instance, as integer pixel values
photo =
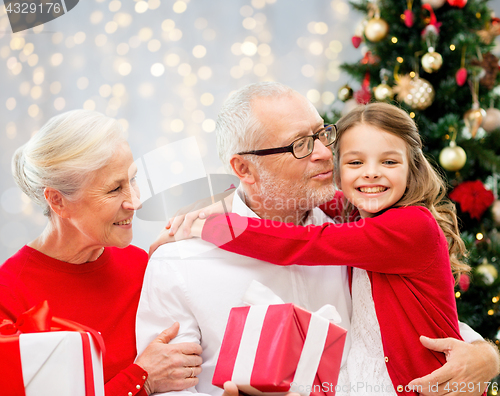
(238, 129)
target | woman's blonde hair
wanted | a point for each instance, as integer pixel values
(425, 186)
(64, 152)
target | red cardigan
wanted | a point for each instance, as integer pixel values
(103, 294)
(405, 254)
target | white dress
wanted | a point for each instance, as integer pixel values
(365, 372)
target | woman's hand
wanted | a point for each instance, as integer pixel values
(189, 221)
(170, 367)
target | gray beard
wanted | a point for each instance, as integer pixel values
(279, 194)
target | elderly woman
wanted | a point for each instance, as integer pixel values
(80, 169)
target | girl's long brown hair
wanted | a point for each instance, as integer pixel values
(425, 186)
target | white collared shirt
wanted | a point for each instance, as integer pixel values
(199, 291)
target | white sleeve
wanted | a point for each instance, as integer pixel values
(163, 302)
(468, 334)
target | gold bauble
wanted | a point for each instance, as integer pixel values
(345, 93)
(383, 92)
(488, 271)
(473, 119)
(420, 95)
(432, 61)
(495, 211)
(452, 158)
(376, 29)
(434, 3)
(491, 121)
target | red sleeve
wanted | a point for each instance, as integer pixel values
(399, 241)
(127, 381)
(334, 207)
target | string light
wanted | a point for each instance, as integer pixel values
(479, 236)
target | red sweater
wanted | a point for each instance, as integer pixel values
(103, 294)
(405, 254)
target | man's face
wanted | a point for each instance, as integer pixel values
(286, 182)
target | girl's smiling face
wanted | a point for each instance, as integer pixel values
(373, 168)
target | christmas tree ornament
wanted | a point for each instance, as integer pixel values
(474, 118)
(435, 4)
(489, 63)
(491, 120)
(432, 61)
(464, 282)
(408, 14)
(473, 198)
(495, 212)
(383, 92)
(432, 28)
(492, 29)
(369, 59)
(345, 93)
(416, 92)
(452, 158)
(461, 74)
(356, 41)
(376, 29)
(363, 95)
(457, 3)
(488, 272)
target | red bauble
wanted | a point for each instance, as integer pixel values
(457, 3)
(356, 41)
(461, 76)
(464, 282)
(409, 18)
(473, 198)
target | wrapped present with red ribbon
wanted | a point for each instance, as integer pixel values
(278, 348)
(43, 355)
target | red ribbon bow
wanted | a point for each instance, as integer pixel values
(36, 320)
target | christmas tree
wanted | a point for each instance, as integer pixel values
(433, 58)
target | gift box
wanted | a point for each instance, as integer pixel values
(44, 355)
(278, 348)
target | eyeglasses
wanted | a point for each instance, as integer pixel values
(304, 146)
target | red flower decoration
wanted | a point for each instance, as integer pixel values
(473, 198)
(363, 96)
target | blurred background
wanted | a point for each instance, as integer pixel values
(163, 68)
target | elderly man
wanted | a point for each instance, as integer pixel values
(200, 290)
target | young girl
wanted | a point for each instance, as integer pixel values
(399, 233)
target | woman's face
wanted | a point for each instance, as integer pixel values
(105, 210)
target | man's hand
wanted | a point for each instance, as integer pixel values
(467, 370)
(170, 367)
(230, 389)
